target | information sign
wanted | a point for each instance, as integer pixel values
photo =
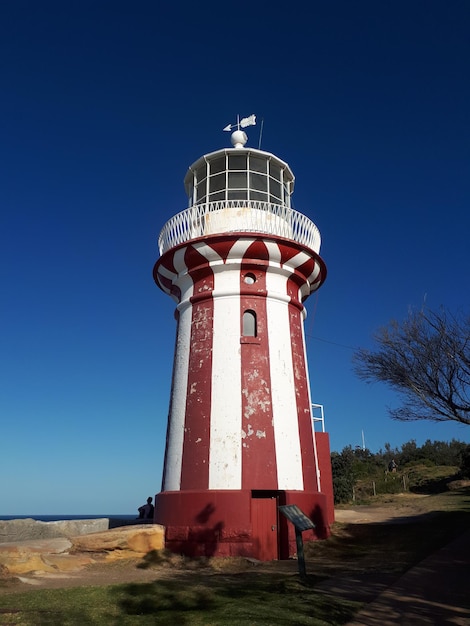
(297, 517)
(301, 522)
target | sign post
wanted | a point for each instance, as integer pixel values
(301, 522)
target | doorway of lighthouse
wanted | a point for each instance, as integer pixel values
(265, 524)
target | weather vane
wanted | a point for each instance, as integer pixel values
(239, 137)
(242, 123)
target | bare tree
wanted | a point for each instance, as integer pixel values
(426, 358)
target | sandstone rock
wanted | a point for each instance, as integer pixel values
(67, 562)
(27, 556)
(137, 540)
(53, 556)
(4, 573)
(53, 546)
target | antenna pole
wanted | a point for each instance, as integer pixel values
(260, 133)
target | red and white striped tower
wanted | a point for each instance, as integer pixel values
(239, 262)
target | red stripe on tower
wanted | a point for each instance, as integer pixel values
(259, 454)
(196, 444)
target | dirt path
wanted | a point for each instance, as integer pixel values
(403, 506)
(112, 573)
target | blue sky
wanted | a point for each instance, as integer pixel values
(104, 105)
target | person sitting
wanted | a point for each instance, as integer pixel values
(146, 510)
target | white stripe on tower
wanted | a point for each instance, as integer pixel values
(225, 457)
(225, 469)
(225, 449)
(315, 454)
(284, 402)
(174, 450)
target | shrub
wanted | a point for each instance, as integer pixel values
(343, 475)
(465, 462)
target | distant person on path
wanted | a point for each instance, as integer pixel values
(392, 466)
(146, 510)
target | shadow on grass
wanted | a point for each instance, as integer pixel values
(372, 556)
(249, 597)
(389, 547)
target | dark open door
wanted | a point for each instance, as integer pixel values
(265, 527)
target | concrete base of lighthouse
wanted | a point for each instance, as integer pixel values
(245, 522)
(237, 523)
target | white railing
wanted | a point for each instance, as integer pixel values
(228, 216)
(318, 416)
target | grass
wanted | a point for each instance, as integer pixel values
(247, 598)
(414, 477)
(228, 592)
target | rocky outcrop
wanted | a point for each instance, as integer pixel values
(41, 555)
(25, 529)
(67, 555)
(137, 540)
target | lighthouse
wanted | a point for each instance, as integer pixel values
(239, 263)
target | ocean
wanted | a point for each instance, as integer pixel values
(58, 518)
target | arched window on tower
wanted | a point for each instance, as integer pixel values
(249, 324)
